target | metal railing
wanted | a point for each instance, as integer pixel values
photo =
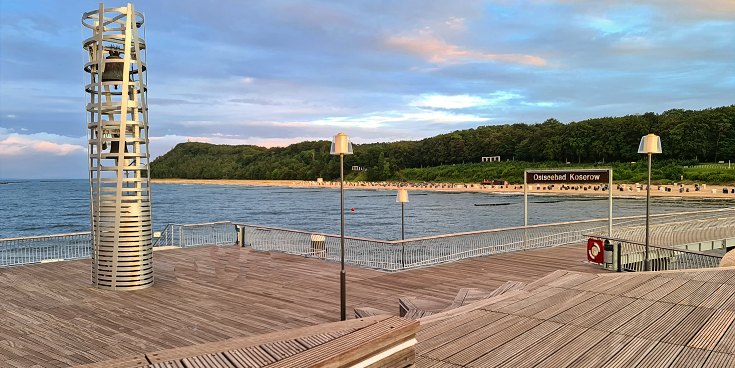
(411, 253)
(681, 231)
(37, 249)
(631, 256)
(379, 254)
(190, 235)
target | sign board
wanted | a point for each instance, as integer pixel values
(578, 176)
(568, 176)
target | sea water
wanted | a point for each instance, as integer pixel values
(42, 207)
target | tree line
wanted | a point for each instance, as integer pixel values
(688, 136)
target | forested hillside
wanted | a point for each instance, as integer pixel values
(705, 136)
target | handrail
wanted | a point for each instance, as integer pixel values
(37, 237)
(388, 255)
(633, 256)
(657, 246)
(34, 249)
(488, 230)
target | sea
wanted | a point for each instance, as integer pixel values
(44, 207)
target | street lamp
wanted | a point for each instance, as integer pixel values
(650, 144)
(342, 146)
(402, 197)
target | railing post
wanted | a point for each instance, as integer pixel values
(619, 257)
(403, 255)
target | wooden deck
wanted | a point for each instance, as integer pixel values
(569, 319)
(50, 316)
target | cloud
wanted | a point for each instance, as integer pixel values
(276, 72)
(395, 118)
(13, 144)
(437, 51)
(463, 101)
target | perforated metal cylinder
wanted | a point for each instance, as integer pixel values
(117, 122)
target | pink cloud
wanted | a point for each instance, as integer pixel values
(16, 144)
(440, 52)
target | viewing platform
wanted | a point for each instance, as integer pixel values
(53, 317)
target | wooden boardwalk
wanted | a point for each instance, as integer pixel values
(569, 319)
(50, 316)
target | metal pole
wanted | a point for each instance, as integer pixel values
(648, 213)
(403, 237)
(342, 275)
(610, 205)
(525, 210)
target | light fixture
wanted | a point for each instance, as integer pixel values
(342, 146)
(402, 198)
(649, 145)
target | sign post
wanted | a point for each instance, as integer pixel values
(579, 176)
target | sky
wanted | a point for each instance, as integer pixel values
(272, 73)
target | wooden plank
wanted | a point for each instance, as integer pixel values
(647, 287)
(720, 360)
(531, 357)
(425, 362)
(207, 361)
(252, 357)
(690, 358)
(599, 354)
(261, 340)
(528, 340)
(682, 292)
(550, 306)
(644, 319)
(571, 351)
(660, 327)
(631, 354)
(593, 317)
(710, 334)
(661, 356)
(581, 309)
(619, 318)
(448, 336)
(468, 336)
(469, 348)
(688, 327)
(128, 362)
(631, 283)
(727, 342)
(356, 346)
(665, 289)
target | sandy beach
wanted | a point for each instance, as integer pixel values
(619, 190)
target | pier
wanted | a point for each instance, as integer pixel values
(52, 317)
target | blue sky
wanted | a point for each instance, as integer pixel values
(277, 72)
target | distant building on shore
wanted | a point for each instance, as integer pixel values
(491, 159)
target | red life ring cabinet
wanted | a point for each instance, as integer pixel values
(595, 250)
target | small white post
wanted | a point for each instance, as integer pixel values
(610, 205)
(525, 209)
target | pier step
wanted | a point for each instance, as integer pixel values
(414, 308)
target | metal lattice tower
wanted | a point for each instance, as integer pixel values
(117, 121)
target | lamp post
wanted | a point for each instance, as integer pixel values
(650, 144)
(341, 146)
(402, 197)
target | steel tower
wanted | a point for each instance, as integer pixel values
(117, 123)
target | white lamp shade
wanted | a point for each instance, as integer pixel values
(402, 196)
(650, 143)
(341, 145)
